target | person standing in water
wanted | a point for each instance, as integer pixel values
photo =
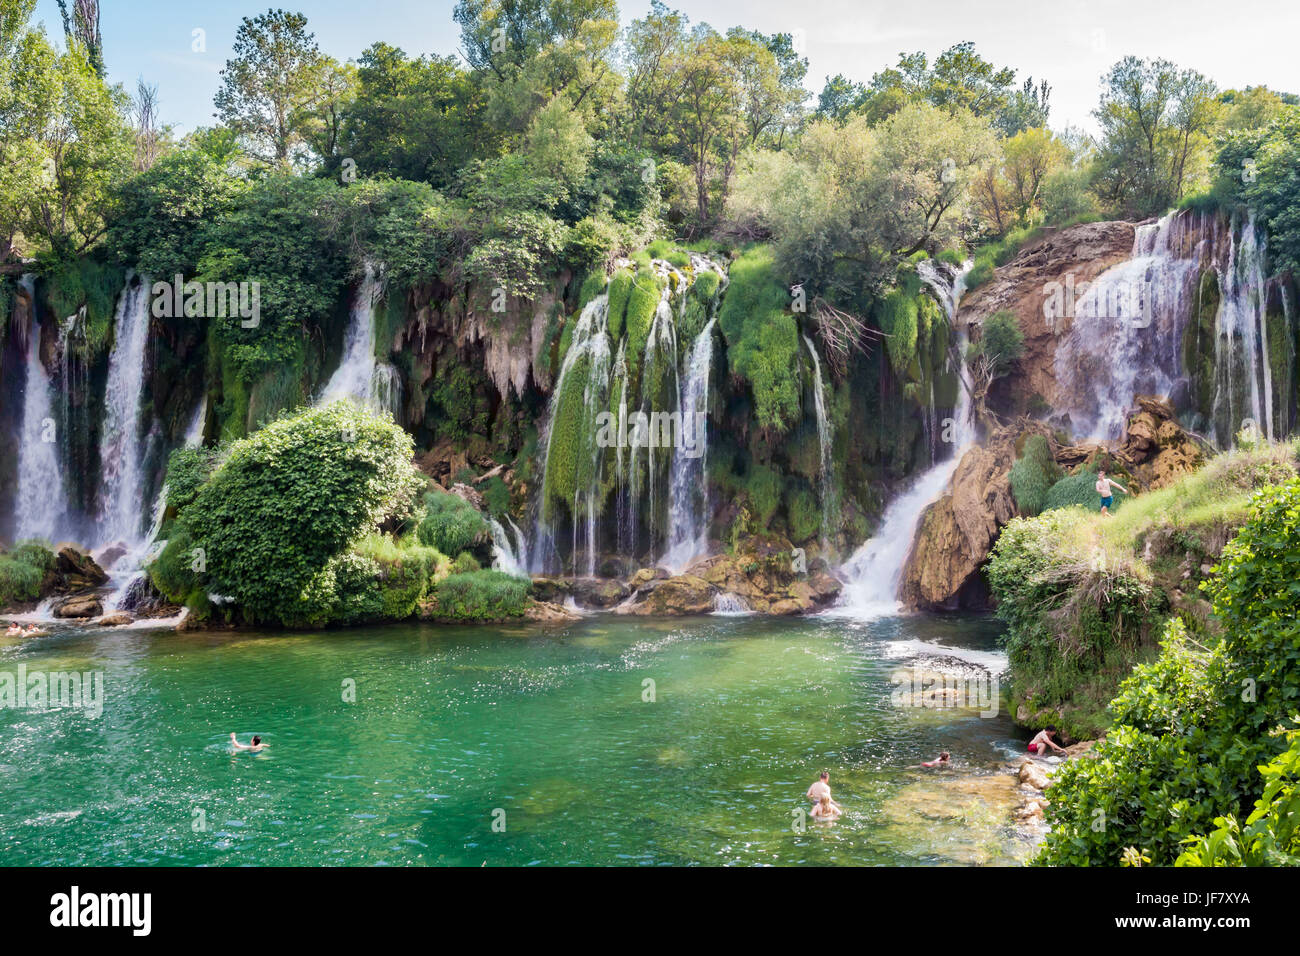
(1104, 486)
(821, 791)
(256, 746)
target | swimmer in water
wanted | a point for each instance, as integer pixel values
(827, 809)
(941, 761)
(256, 746)
(14, 630)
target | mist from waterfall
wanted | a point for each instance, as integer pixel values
(872, 574)
(40, 503)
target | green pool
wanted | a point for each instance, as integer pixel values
(508, 746)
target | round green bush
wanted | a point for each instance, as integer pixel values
(451, 524)
(477, 596)
(293, 496)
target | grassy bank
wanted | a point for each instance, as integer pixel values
(1085, 597)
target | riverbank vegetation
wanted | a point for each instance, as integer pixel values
(317, 520)
(1086, 597)
(1199, 763)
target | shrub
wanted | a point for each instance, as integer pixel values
(1193, 726)
(22, 570)
(451, 524)
(980, 273)
(293, 496)
(465, 563)
(1032, 475)
(187, 470)
(477, 596)
(172, 572)
(1077, 489)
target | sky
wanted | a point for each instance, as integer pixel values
(1070, 43)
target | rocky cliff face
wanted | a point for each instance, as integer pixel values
(1062, 260)
(957, 532)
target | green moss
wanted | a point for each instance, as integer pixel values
(84, 282)
(22, 570)
(763, 339)
(1199, 349)
(620, 287)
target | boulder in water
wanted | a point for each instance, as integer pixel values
(599, 592)
(548, 612)
(80, 606)
(77, 570)
(115, 620)
(682, 594)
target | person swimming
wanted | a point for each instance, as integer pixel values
(940, 761)
(256, 746)
(826, 809)
(14, 630)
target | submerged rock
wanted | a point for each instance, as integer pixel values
(547, 612)
(599, 592)
(115, 620)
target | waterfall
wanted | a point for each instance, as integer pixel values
(589, 346)
(824, 437)
(41, 495)
(873, 572)
(1243, 371)
(688, 495)
(508, 557)
(624, 436)
(121, 487)
(360, 375)
(1130, 325)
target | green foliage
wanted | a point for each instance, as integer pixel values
(897, 318)
(1076, 489)
(1032, 476)
(465, 563)
(1270, 835)
(187, 470)
(477, 596)
(803, 514)
(980, 273)
(1001, 342)
(1192, 727)
(382, 579)
(762, 339)
(450, 523)
(172, 572)
(496, 495)
(85, 282)
(22, 569)
(292, 497)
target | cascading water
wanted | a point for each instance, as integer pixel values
(688, 496)
(622, 433)
(512, 558)
(827, 490)
(873, 573)
(1124, 338)
(1138, 328)
(40, 500)
(1243, 392)
(121, 494)
(588, 356)
(360, 375)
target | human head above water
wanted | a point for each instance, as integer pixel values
(824, 775)
(256, 741)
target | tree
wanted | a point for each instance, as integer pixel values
(1000, 346)
(63, 139)
(421, 118)
(272, 87)
(1156, 122)
(1008, 190)
(82, 27)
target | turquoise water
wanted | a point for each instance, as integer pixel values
(507, 746)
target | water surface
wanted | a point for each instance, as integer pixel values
(456, 732)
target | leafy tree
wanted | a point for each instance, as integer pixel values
(273, 87)
(294, 496)
(419, 118)
(1156, 122)
(1258, 169)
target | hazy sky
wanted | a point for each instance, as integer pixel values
(1070, 42)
